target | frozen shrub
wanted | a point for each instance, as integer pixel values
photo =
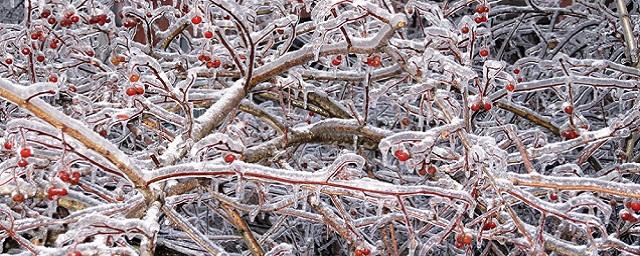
(316, 127)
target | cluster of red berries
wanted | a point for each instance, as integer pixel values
(99, 19)
(570, 133)
(476, 106)
(69, 18)
(374, 61)
(431, 170)
(53, 193)
(73, 178)
(482, 11)
(209, 62)
(135, 90)
(463, 239)
(117, 59)
(626, 215)
(130, 23)
(24, 154)
(362, 252)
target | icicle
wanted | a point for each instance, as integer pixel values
(380, 208)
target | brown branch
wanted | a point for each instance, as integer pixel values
(78, 131)
(243, 228)
(331, 130)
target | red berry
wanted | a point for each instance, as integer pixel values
(94, 19)
(487, 106)
(635, 206)
(431, 170)
(72, 88)
(627, 216)
(23, 163)
(553, 197)
(520, 79)
(476, 106)
(208, 34)
(510, 87)
(478, 19)
(25, 152)
(75, 18)
(131, 91)
(18, 198)
(45, 13)
(402, 155)
(40, 58)
(229, 158)
(483, 18)
(373, 61)
(139, 90)
(336, 60)
(75, 253)
(362, 252)
(68, 13)
(64, 176)
(464, 30)
(75, 178)
(489, 225)
(568, 109)
(465, 238)
(516, 71)
(8, 145)
(570, 134)
(65, 22)
(8, 61)
(90, 53)
(214, 63)
(134, 78)
(204, 57)
(53, 45)
(53, 78)
(103, 133)
(62, 192)
(196, 20)
(484, 52)
(26, 51)
(35, 36)
(51, 20)
(52, 192)
(129, 23)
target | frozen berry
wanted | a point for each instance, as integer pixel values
(196, 20)
(229, 158)
(402, 155)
